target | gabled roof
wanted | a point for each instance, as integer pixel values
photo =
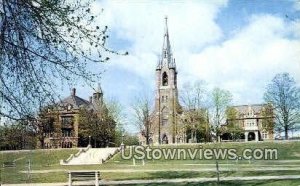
(243, 109)
(75, 101)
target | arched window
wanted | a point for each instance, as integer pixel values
(165, 79)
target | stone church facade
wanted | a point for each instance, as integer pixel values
(165, 125)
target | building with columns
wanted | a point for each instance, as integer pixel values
(255, 121)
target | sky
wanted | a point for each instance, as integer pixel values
(231, 44)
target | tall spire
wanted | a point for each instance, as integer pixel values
(166, 56)
(166, 44)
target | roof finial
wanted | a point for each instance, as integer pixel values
(166, 44)
(99, 90)
(166, 22)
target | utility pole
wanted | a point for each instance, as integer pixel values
(218, 172)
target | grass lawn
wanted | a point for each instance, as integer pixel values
(119, 169)
(237, 183)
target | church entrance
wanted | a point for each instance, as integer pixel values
(165, 139)
(251, 136)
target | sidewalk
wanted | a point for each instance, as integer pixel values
(180, 180)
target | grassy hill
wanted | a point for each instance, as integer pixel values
(45, 165)
(285, 150)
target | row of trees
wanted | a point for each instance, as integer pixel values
(206, 110)
(15, 136)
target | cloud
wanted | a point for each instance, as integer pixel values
(142, 24)
(245, 63)
(296, 5)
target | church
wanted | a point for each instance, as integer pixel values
(167, 124)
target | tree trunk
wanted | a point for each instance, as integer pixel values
(286, 133)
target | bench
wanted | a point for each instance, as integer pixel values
(84, 176)
(10, 164)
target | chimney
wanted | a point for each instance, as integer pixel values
(91, 99)
(73, 92)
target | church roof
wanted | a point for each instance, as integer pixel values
(243, 109)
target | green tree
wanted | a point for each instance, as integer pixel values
(100, 126)
(268, 115)
(142, 115)
(16, 136)
(44, 125)
(116, 112)
(193, 97)
(220, 100)
(130, 139)
(43, 45)
(233, 126)
(284, 95)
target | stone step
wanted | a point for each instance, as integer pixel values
(90, 156)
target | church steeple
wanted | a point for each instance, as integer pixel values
(166, 98)
(166, 45)
(166, 56)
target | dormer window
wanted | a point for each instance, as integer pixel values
(165, 79)
(165, 54)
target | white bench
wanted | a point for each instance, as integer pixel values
(84, 176)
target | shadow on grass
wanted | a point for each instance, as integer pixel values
(189, 174)
(178, 174)
(233, 183)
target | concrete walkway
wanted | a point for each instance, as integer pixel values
(181, 169)
(160, 181)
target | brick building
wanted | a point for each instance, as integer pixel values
(62, 119)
